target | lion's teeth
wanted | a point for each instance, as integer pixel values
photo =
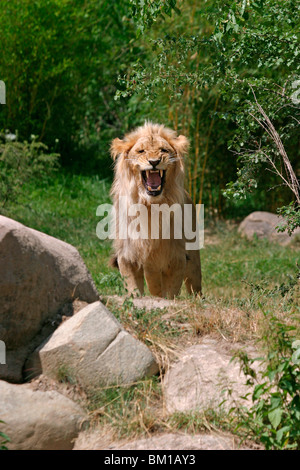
(149, 188)
(147, 173)
(159, 188)
(161, 173)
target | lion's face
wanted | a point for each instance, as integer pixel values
(151, 158)
(153, 161)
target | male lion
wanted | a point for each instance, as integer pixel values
(149, 170)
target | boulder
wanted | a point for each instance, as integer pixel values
(263, 225)
(95, 350)
(35, 420)
(39, 275)
(198, 380)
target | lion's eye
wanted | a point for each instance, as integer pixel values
(141, 151)
(164, 150)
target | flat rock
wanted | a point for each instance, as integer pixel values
(94, 349)
(39, 275)
(263, 225)
(198, 379)
(165, 441)
(182, 442)
(145, 302)
(35, 420)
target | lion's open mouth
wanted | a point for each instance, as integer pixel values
(153, 181)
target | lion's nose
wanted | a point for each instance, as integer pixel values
(154, 163)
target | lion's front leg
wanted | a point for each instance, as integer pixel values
(192, 273)
(153, 280)
(172, 278)
(133, 276)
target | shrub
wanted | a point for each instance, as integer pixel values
(227, 75)
(21, 162)
(274, 417)
(60, 70)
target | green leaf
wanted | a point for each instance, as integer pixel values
(275, 402)
(275, 417)
(258, 391)
(282, 433)
(296, 354)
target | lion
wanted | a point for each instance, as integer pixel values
(149, 170)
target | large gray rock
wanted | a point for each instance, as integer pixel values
(263, 225)
(95, 350)
(35, 420)
(197, 381)
(39, 275)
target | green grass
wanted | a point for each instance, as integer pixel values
(232, 265)
(128, 409)
(66, 208)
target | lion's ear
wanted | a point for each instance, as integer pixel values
(116, 148)
(181, 145)
(119, 147)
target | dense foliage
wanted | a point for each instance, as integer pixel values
(216, 71)
(274, 417)
(230, 71)
(22, 162)
(60, 60)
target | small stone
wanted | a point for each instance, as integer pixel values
(263, 225)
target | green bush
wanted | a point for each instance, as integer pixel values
(224, 73)
(60, 61)
(274, 417)
(21, 162)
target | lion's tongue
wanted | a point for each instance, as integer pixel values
(154, 179)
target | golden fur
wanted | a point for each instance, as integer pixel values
(164, 263)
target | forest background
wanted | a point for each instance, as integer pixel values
(79, 74)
